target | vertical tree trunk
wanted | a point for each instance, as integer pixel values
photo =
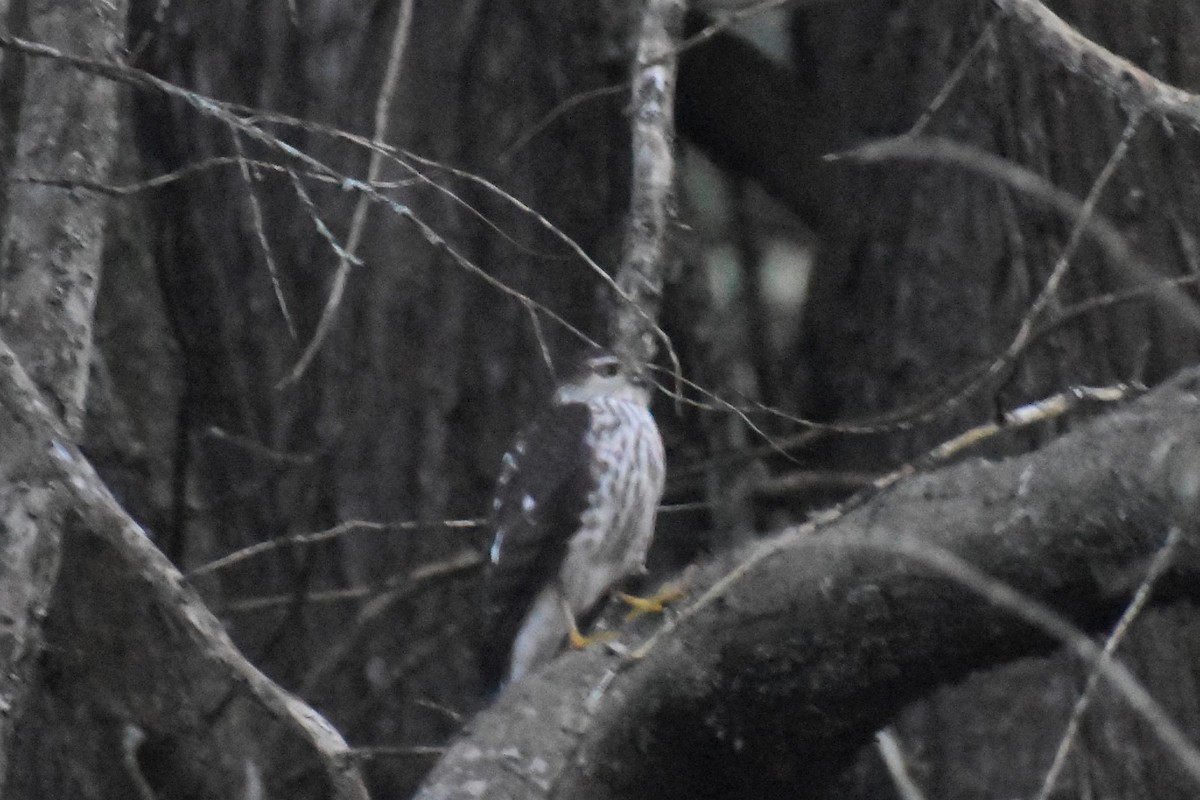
(61, 124)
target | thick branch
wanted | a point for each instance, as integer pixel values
(1132, 85)
(772, 686)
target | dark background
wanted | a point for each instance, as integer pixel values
(834, 291)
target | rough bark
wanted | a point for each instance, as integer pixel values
(63, 124)
(649, 234)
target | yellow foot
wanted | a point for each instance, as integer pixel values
(656, 603)
(579, 641)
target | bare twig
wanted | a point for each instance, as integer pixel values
(1085, 221)
(955, 78)
(1162, 560)
(379, 605)
(383, 107)
(1110, 299)
(341, 529)
(1028, 183)
(1023, 416)
(1028, 414)
(411, 751)
(559, 110)
(256, 218)
(230, 114)
(464, 561)
(1086, 211)
(344, 253)
(259, 450)
(188, 170)
(727, 19)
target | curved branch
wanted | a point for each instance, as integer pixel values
(775, 684)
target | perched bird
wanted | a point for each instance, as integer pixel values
(573, 511)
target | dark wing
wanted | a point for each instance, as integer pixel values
(540, 496)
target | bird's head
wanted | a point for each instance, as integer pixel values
(602, 374)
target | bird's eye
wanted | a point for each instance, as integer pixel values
(608, 369)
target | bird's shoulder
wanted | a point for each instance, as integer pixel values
(555, 440)
(544, 478)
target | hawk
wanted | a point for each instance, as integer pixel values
(573, 511)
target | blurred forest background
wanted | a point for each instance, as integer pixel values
(837, 291)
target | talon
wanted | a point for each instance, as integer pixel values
(656, 603)
(579, 641)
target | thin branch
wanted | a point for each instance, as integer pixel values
(1160, 564)
(188, 170)
(383, 108)
(261, 451)
(376, 608)
(464, 561)
(1109, 299)
(572, 102)
(228, 114)
(1086, 212)
(256, 217)
(1023, 416)
(339, 530)
(954, 79)
(727, 19)
(411, 751)
(1030, 184)
(344, 253)
(1033, 185)
(224, 113)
